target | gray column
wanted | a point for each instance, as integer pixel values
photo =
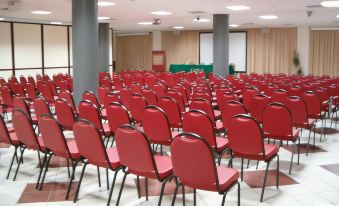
(103, 54)
(85, 46)
(220, 44)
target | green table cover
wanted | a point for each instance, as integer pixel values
(174, 68)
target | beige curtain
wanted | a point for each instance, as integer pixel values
(324, 53)
(134, 52)
(271, 52)
(181, 48)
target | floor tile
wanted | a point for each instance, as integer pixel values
(255, 179)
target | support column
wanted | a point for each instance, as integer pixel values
(103, 53)
(220, 44)
(85, 46)
(156, 36)
(303, 45)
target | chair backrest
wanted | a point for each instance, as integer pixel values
(159, 89)
(201, 94)
(23, 79)
(111, 97)
(102, 91)
(31, 80)
(172, 110)
(88, 137)
(223, 97)
(247, 97)
(135, 152)
(245, 136)
(193, 162)
(295, 91)
(135, 88)
(277, 121)
(179, 98)
(90, 96)
(150, 95)
(279, 95)
(125, 96)
(117, 115)
(322, 94)
(51, 84)
(182, 90)
(4, 135)
(203, 105)
(137, 105)
(41, 106)
(88, 111)
(46, 93)
(230, 109)
(6, 96)
(198, 122)
(63, 86)
(156, 125)
(312, 102)
(298, 108)
(23, 127)
(257, 105)
(66, 95)
(20, 103)
(53, 136)
(17, 89)
(64, 113)
(30, 91)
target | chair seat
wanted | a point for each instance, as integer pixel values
(10, 129)
(104, 113)
(284, 137)
(270, 151)
(317, 116)
(219, 127)
(164, 167)
(107, 130)
(14, 139)
(227, 177)
(34, 119)
(73, 149)
(217, 114)
(305, 125)
(222, 144)
(113, 157)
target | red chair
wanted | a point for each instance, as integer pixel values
(172, 110)
(87, 137)
(30, 91)
(28, 139)
(66, 95)
(90, 96)
(295, 91)
(193, 163)
(102, 91)
(56, 144)
(9, 138)
(51, 84)
(30, 80)
(7, 100)
(179, 98)
(125, 96)
(135, 88)
(198, 122)
(277, 124)
(23, 80)
(182, 90)
(18, 89)
(20, 103)
(111, 97)
(41, 107)
(230, 109)
(46, 93)
(225, 97)
(90, 112)
(257, 105)
(159, 89)
(156, 126)
(115, 110)
(279, 95)
(247, 97)
(246, 140)
(64, 113)
(137, 158)
(150, 95)
(205, 106)
(137, 105)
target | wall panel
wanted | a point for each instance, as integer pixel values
(55, 46)
(5, 46)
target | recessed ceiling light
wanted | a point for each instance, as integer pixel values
(330, 3)
(105, 3)
(238, 8)
(1, 19)
(161, 13)
(103, 18)
(56, 22)
(178, 27)
(234, 25)
(41, 12)
(146, 23)
(201, 20)
(268, 17)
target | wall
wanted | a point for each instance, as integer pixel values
(324, 53)
(37, 48)
(134, 52)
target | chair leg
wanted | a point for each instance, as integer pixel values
(223, 199)
(175, 192)
(121, 188)
(277, 171)
(74, 166)
(138, 187)
(248, 163)
(79, 184)
(293, 147)
(41, 169)
(161, 152)
(39, 158)
(194, 197)
(68, 171)
(308, 142)
(99, 179)
(112, 142)
(257, 165)
(183, 195)
(242, 169)
(20, 160)
(112, 187)
(107, 179)
(46, 169)
(298, 151)
(146, 188)
(162, 190)
(10, 167)
(264, 184)
(238, 193)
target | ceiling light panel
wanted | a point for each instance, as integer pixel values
(238, 8)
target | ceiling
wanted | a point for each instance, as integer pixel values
(127, 13)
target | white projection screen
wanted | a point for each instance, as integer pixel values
(237, 49)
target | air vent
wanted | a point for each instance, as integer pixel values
(197, 12)
(314, 6)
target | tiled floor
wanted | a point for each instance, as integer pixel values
(315, 182)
